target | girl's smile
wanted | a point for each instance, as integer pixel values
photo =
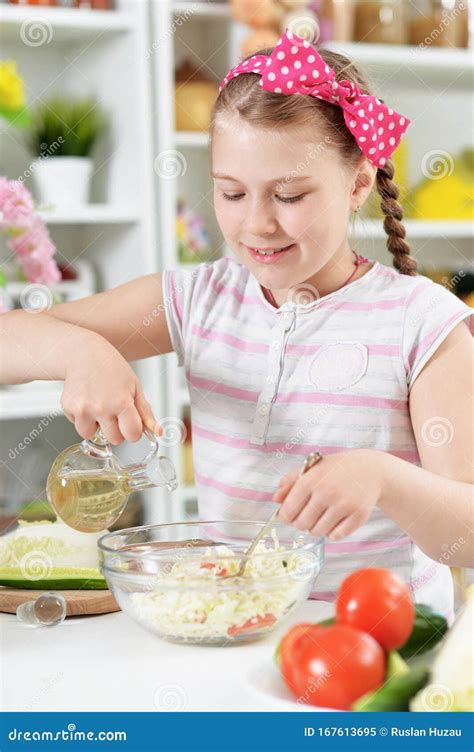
(273, 190)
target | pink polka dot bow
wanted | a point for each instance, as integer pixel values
(296, 67)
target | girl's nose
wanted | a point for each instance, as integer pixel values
(260, 220)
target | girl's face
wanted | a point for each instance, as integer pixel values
(279, 188)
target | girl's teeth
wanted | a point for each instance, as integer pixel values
(269, 253)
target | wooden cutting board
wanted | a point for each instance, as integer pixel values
(79, 602)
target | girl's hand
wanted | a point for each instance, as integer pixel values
(336, 496)
(102, 390)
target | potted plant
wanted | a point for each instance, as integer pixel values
(63, 135)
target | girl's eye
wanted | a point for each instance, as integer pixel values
(282, 199)
(232, 198)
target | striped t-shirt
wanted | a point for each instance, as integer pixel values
(268, 386)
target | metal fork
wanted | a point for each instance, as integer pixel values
(309, 462)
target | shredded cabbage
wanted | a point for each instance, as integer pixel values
(206, 607)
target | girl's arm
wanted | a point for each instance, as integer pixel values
(130, 317)
(434, 504)
(86, 344)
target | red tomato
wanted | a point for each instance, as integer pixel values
(339, 665)
(289, 650)
(222, 572)
(378, 602)
(256, 622)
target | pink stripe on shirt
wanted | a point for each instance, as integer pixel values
(245, 345)
(427, 341)
(235, 492)
(301, 397)
(285, 447)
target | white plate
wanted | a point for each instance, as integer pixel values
(265, 683)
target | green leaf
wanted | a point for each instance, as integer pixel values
(64, 127)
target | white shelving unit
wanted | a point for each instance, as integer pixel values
(101, 53)
(204, 33)
(413, 80)
(93, 214)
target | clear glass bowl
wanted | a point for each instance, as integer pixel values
(176, 579)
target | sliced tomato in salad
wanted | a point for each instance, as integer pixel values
(255, 622)
(221, 571)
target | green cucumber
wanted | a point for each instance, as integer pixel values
(64, 578)
(50, 556)
(429, 629)
(395, 694)
(396, 666)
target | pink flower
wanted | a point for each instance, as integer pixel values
(29, 237)
(17, 207)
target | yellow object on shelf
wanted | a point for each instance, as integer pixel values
(193, 105)
(449, 192)
(188, 467)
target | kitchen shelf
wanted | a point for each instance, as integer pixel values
(34, 400)
(435, 60)
(92, 214)
(203, 10)
(187, 492)
(60, 25)
(79, 52)
(196, 140)
(68, 289)
(373, 228)
(183, 396)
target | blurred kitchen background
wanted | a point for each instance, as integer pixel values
(135, 80)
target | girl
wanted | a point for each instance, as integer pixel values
(297, 345)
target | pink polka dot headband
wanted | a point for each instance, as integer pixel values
(296, 67)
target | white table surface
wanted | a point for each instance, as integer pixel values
(109, 663)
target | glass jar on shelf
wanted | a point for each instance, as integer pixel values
(381, 22)
(335, 19)
(439, 23)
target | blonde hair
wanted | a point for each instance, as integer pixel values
(244, 96)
